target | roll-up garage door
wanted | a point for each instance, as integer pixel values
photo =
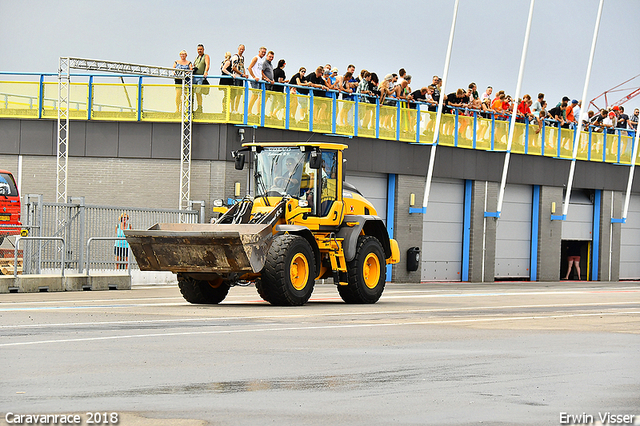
(373, 187)
(579, 223)
(442, 231)
(513, 233)
(630, 242)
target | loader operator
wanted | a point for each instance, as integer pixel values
(289, 182)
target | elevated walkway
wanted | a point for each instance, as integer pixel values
(109, 98)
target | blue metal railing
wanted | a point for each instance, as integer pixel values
(403, 110)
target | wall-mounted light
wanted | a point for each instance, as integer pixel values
(553, 207)
(241, 133)
(236, 191)
(412, 200)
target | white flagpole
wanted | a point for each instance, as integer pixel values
(512, 127)
(432, 158)
(565, 207)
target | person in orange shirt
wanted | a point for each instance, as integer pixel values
(571, 119)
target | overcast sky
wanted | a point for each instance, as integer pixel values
(375, 35)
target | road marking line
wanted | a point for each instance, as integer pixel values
(323, 327)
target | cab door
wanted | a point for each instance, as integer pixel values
(325, 193)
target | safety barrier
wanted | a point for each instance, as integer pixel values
(98, 98)
(117, 263)
(19, 239)
(79, 223)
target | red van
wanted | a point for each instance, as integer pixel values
(9, 205)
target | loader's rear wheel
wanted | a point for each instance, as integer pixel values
(289, 272)
(366, 273)
(203, 292)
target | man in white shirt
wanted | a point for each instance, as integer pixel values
(255, 71)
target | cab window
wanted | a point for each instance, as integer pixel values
(7, 185)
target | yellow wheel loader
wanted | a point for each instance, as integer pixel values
(302, 223)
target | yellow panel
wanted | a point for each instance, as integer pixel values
(322, 114)
(255, 106)
(388, 121)
(114, 102)
(408, 123)
(596, 146)
(550, 141)
(517, 144)
(345, 117)
(612, 148)
(447, 130)
(275, 109)
(500, 135)
(160, 102)
(583, 146)
(534, 140)
(19, 99)
(427, 126)
(367, 117)
(299, 112)
(626, 150)
(483, 134)
(78, 95)
(215, 103)
(465, 131)
(566, 143)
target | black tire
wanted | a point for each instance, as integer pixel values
(203, 292)
(288, 275)
(366, 273)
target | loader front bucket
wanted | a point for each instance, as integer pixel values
(214, 248)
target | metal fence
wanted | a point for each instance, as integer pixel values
(77, 223)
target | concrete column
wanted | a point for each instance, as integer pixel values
(611, 205)
(482, 241)
(408, 226)
(550, 234)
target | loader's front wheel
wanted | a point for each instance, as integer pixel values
(366, 273)
(288, 275)
(203, 292)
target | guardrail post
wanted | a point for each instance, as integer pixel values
(398, 110)
(246, 102)
(377, 117)
(263, 103)
(140, 98)
(455, 128)
(311, 110)
(41, 96)
(356, 115)
(334, 111)
(418, 122)
(90, 98)
(287, 108)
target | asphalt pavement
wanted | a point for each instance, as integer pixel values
(510, 353)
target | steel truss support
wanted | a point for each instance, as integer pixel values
(64, 82)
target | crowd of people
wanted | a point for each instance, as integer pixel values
(326, 81)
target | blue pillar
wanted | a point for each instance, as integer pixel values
(466, 230)
(391, 207)
(595, 252)
(535, 226)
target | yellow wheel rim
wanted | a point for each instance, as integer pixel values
(371, 270)
(299, 271)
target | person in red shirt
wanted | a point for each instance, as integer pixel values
(524, 109)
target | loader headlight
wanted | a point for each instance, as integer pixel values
(217, 203)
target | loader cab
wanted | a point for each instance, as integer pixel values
(9, 206)
(309, 174)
